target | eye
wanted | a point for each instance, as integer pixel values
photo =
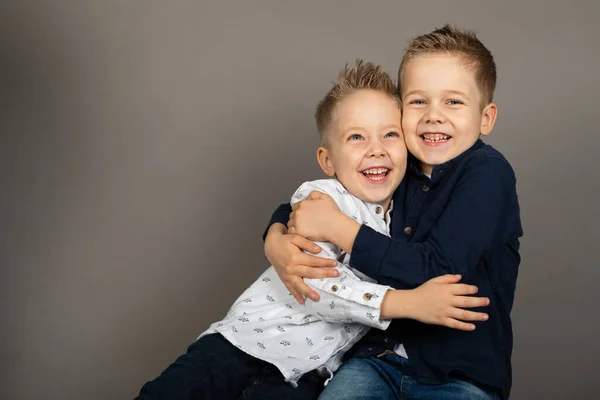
(417, 101)
(392, 134)
(454, 102)
(355, 136)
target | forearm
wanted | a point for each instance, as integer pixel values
(281, 216)
(343, 232)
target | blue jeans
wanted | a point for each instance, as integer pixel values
(391, 377)
(213, 368)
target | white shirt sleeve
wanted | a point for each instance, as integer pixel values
(345, 298)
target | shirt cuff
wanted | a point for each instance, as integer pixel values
(360, 300)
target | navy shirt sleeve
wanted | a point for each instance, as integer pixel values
(482, 212)
(281, 215)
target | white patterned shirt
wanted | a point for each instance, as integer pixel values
(267, 322)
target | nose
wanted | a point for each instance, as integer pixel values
(376, 149)
(434, 115)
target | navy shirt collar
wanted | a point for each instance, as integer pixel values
(440, 170)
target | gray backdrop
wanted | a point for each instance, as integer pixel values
(144, 145)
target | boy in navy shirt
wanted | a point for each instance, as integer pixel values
(455, 212)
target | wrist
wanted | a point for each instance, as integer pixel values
(394, 304)
(343, 232)
(275, 230)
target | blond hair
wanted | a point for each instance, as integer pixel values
(365, 75)
(464, 43)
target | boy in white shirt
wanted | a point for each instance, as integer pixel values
(268, 345)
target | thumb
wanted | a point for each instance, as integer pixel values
(316, 195)
(448, 278)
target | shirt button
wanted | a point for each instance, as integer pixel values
(408, 230)
(378, 210)
(367, 296)
(334, 288)
(425, 188)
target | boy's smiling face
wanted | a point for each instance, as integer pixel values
(442, 113)
(365, 149)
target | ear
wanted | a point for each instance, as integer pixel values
(324, 160)
(488, 119)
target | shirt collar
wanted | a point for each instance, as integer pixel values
(373, 208)
(442, 169)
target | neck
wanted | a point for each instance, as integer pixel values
(386, 205)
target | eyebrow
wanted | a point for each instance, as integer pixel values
(359, 129)
(458, 92)
(349, 129)
(451, 91)
(413, 92)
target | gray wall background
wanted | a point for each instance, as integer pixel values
(144, 145)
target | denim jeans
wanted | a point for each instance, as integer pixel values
(213, 368)
(390, 376)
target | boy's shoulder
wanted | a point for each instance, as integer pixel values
(486, 160)
(331, 187)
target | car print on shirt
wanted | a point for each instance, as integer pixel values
(280, 328)
(309, 342)
(266, 279)
(261, 345)
(284, 343)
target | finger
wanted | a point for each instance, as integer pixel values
(297, 295)
(295, 206)
(459, 325)
(466, 315)
(318, 262)
(470, 302)
(305, 290)
(292, 230)
(463, 289)
(315, 273)
(448, 278)
(304, 244)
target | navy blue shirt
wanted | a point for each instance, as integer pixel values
(464, 220)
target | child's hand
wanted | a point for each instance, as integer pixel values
(312, 218)
(285, 252)
(442, 301)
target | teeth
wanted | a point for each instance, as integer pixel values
(375, 171)
(435, 137)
